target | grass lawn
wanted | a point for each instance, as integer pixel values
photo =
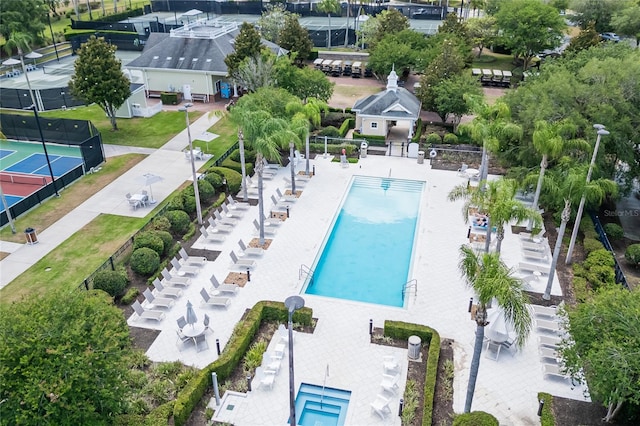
(152, 132)
(75, 259)
(228, 136)
(491, 60)
(54, 208)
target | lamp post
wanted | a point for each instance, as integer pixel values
(185, 108)
(576, 226)
(53, 38)
(44, 147)
(293, 303)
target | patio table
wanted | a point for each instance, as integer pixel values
(193, 330)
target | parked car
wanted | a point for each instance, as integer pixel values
(423, 13)
(610, 37)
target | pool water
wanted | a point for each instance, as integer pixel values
(367, 255)
(316, 406)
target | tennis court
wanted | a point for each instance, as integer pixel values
(24, 169)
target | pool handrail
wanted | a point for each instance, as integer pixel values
(413, 283)
(305, 270)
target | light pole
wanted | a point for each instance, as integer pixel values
(53, 38)
(185, 108)
(44, 147)
(576, 226)
(293, 303)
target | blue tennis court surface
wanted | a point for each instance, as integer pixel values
(37, 164)
(11, 200)
(5, 153)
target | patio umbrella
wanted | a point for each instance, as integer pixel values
(498, 329)
(191, 314)
(148, 179)
(207, 137)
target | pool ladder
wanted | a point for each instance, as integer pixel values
(305, 271)
(408, 286)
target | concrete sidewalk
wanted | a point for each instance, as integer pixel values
(169, 162)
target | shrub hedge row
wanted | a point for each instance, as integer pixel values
(233, 177)
(232, 354)
(416, 137)
(333, 149)
(347, 124)
(403, 330)
(546, 419)
(475, 418)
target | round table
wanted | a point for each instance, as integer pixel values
(193, 330)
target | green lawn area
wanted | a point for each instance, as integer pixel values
(491, 60)
(58, 26)
(152, 132)
(228, 136)
(79, 256)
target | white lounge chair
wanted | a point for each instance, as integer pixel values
(214, 300)
(268, 174)
(526, 236)
(548, 354)
(281, 205)
(211, 238)
(161, 302)
(237, 205)
(553, 370)
(265, 378)
(224, 220)
(283, 334)
(530, 245)
(243, 263)
(231, 214)
(299, 182)
(217, 227)
(534, 267)
(149, 314)
(390, 383)
(163, 291)
(551, 326)
(545, 311)
(535, 255)
(271, 364)
(191, 260)
(380, 406)
(250, 251)
(286, 197)
(273, 221)
(549, 341)
(268, 230)
(223, 288)
(390, 364)
(175, 281)
(184, 269)
(273, 166)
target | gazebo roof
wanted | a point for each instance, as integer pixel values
(393, 103)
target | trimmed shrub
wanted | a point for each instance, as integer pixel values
(161, 223)
(150, 240)
(369, 138)
(179, 221)
(167, 240)
(144, 261)
(249, 155)
(215, 179)
(581, 289)
(112, 282)
(602, 257)
(591, 244)
(229, 163)
(130, 296)
(234, 178)
(169, 98)
(614, 231)
(206, 190)
(330, 131)
(347, 124)
(632, 255)
(546, 419)
(175, 203)
(475, 418)
(189, 202)
(333, 149)
(433, 139)
(450, 138)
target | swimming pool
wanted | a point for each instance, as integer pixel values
(318, 406)
(367, 254)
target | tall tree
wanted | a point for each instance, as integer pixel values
(627, 22)
(98, 78)
(256, 72)
(303, 83)
(23, 16)
(491, 280)
(246, 44)
(310, 111)
(605, 346)
(529, 26)
(451, 97)
(295, 38)
(598, 11)
(389, 21)
(328, 7)
(63, 359)
(273, 21)
(588, 37)
(482, 32)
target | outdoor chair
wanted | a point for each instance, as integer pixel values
(548, 354)
(223, 288)
(549, 326)
(268, 230)
(224, 220)
(390, 363)
(192, 260)
(272, 221)
(243, 263)
(283, 334)
(237, 205)
(214, 300)
(286, 197)
(525, 236)
(250, 251)
(281, 204)
(549, 341)
(535, 255)
(544, 311)
(217, 227)
(299, 182)
(175, 280)
(390, 383)
(161, 302)
(182, 339)
(183, 269)
(182, 322)
(553, 370)
(268, 174)
(380, 406)
(163, 291)
(267, 165)
(462, 170)
(207, 322)
(271, 364)
(532, 246)
(149, 314)
(201, 342)
(211, 238)
(265, 378)
(229, 213)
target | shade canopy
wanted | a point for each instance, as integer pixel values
(192, 12)
(11, 62)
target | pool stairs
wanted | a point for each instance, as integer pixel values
(328, 402)
(404, 185)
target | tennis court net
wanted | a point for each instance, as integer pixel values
(23, 179)
(58, 70)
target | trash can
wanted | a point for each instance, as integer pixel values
(32, 237)
(414, 347)
(363, 150)
(420, 157)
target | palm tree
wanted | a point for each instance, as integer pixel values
(312, 112)
(497, 201)
(329, 7)
(491, 280)
(490, 126)
(21, 41)
(569, 184)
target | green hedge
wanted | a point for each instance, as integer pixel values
(369, 138)
(546, 419)
(233, 353)
(333, 149)
(416, 137)
(475, 418)
(117, 17)
(234, 178)
(229, 163)
(347, 124)
(403, 330)
(169, 98)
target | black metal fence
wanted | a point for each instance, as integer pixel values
(602, 236)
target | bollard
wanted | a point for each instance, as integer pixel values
(470, 304)
(400, 407)
(314, 169)
(287, 212)
(249, 383)
(248, 275)
(540, 407)
(371, 327)
(218, 346)
(469, 232)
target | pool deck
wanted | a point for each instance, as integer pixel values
(506, 388)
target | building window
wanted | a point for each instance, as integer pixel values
(374, 125)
